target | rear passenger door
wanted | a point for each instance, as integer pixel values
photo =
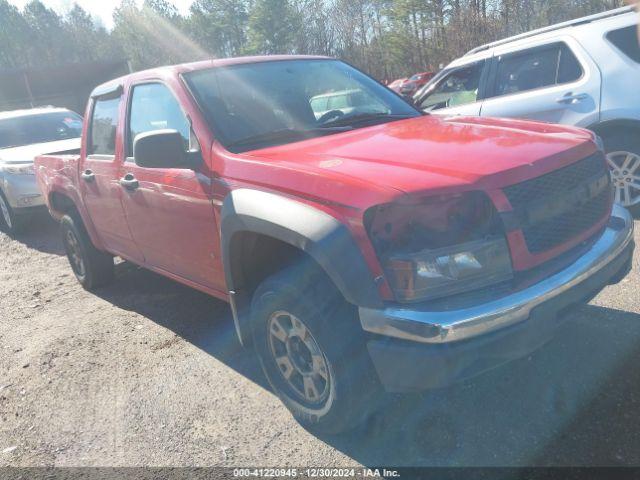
(99, 176)
(554, 82)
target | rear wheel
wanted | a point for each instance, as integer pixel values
(312, 350)
(92, 267)
(10, 222)
(623, 157)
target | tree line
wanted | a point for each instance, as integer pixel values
(387, 38)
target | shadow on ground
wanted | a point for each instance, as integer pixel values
(42, 234)
(571, 403)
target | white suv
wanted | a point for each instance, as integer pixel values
(585, 73)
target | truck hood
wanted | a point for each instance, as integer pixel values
(27, 153)
(432, 153)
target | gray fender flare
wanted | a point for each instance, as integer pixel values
(321, 236)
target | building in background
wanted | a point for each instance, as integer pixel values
(65, 86)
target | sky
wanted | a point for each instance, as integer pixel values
(100, 9)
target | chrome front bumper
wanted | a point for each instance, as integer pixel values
(439, 327)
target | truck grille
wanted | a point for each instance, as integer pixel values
(554, 208)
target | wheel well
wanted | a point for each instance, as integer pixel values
(608, 128)
(61, 203)
(255, 257)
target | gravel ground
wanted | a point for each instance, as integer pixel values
(147, 372)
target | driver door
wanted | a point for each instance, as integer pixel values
(458, 92)
(168, 210)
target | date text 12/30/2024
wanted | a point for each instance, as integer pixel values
(315, 473)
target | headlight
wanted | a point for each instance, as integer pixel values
(24, 169)
(440, 246)
(447, 271)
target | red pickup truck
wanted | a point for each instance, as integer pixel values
(366, 250)
(415, 83)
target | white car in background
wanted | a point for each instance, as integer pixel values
(25, 134)
(585, 72)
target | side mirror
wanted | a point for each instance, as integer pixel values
(163, 149)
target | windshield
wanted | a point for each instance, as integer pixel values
(39, 128)
(255, 105)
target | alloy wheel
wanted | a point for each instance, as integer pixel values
(625, 174)
(298, 357)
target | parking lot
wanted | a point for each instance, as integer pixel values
(148, 372)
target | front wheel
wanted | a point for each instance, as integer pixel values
(92, 267)
(10, 223)
(312, 350)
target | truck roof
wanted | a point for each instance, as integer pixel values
(29, 111)
(200, 65)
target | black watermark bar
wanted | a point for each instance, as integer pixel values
(284, 473)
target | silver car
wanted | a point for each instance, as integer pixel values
(25, 134)
(584, 73)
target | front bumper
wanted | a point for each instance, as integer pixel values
(22, 192)
(415, 349)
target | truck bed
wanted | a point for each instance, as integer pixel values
(58, 173)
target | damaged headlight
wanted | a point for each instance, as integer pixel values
(440, 246)
(447, 271)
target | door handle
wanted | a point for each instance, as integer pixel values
(88, 176)
(571, 98)
(129, 182)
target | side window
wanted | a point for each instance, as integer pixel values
(362, 99)
(338, 102)
(626, 39)
(459, 87)
(153, 107)
(536, 68)
(569, 68)
(319, 105)
(104, 123)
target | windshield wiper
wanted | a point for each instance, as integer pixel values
(352, 120)
(286, 134)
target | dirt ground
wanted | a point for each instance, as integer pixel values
(147, 372)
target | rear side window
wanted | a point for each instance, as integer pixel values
(536, 68)
(104, 123)
(626, 39)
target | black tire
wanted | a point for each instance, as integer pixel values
(623, 141)
(92, 267)
(310, 297)
(10, 223)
